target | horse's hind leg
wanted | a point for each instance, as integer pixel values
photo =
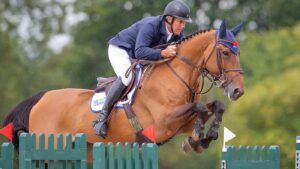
(218, 109)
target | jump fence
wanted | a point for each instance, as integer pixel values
(297, 155)
(62, 152)
(117, 157)
(32, 155)
(7, 156)
(251, 158)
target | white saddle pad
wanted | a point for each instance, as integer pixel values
(98, 99)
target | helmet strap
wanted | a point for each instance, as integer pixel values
(171, 23)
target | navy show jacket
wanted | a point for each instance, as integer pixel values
(140, 38)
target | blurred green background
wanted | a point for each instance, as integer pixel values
(50, 44)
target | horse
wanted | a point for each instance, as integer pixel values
(168, 99)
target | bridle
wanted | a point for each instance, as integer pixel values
(203, 71)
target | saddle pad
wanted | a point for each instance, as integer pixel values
(98, 99)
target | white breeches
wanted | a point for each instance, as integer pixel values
(120, 62)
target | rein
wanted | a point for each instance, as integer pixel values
(201, 69)
(213, 78)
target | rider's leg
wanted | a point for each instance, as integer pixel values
(114, 93)
(120, 62)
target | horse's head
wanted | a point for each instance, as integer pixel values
(223, 62)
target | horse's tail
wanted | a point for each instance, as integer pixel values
(19, 117)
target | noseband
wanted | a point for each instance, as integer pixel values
(203, 71)
(222, 71)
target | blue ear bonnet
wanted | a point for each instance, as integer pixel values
(228, 41)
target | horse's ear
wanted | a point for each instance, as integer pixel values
(222, 30)
(237, 28)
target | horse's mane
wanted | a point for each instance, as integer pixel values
(192, 35)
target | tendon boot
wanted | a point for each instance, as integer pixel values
(114, 93)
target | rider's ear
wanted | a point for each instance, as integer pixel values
(168, 18)
(237, 28)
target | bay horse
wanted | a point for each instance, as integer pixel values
(167, 100)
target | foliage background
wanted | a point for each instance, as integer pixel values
(49, 44)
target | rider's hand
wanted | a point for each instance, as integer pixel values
(170, 51)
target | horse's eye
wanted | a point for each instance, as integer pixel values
(225, 53)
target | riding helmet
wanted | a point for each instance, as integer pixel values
(178, 9)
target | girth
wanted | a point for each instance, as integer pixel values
(140, 137)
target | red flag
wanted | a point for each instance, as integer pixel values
(150, 133)
(7, 131)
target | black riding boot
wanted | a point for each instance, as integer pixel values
(114, 93)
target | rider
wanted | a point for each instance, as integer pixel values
(137, 42)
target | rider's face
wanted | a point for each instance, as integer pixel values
(178, 25)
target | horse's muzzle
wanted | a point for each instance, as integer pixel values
(233, 92)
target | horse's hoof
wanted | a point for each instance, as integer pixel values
(199, 149)
(213, 134)
(186, 146)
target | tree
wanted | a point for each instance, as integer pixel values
(258, 14)
(268, 114)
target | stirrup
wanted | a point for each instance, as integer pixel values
(100, 128)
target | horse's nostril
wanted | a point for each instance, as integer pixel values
(236, 92)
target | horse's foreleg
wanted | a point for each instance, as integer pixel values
(198, 132)
(218, 109)
(197, 141)
(191, 142)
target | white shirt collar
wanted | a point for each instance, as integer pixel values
(168, 33)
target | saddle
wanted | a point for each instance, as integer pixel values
(137, 68)
(103, 86)
(142, 135)
(105, 83)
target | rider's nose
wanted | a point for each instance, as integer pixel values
(183, 25)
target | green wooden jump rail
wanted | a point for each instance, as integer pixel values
(65, 152)
(251, 158)
(7, 156)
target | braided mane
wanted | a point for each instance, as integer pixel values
(192, 35)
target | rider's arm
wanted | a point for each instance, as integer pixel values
(143, 43)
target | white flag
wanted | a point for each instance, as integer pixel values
(228, 135)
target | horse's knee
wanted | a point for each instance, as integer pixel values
(216, 107)
(200, 107)
(220, 106)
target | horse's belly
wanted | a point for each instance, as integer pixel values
(67, 111)
(57, 112)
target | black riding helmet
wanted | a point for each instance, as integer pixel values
(178, 9)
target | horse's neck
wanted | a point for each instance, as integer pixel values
(162, 93)
(196, 49)
(164, 86)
